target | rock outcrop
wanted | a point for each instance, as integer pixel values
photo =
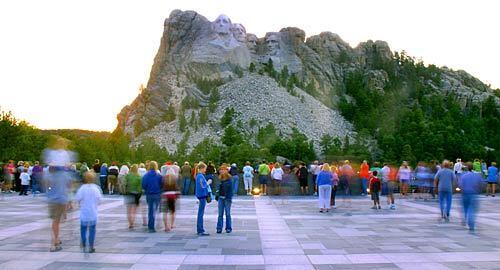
(220, 53)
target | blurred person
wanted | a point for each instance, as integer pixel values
(264, 171)
(364, 174)
(420, 178)
(248, 177)
(324, 180)
(404, 176)
(112, 177)
(97, 166)
(375, 188)
(458, 167)
(25, 182)
(103, 176)
(124, 169)
(165, 167)
(176, 170)
(277, 176)
(470, 185)
(17, 175)
(9, 171)
(443, 183)
(335, 184)
(492, 179)
(476, 165)
(83, 169)
(186, 178)
(302, 175)
(210, 173)
(484, 169)
(346, 173)
(89, 195)
(201, 192)
(142, 169)
(392, 184)
(168, 199)
(36, 178)
(376, 167)
(58, 158)
(234, 172)
(315, 169)
(384, 177)
(133, 195)
(225, 199)
(152, 186)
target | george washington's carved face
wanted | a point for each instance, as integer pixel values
(222, 25)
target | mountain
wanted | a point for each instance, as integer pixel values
(207, 76)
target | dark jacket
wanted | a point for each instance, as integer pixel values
(152, 183)
(233, 171)
(226, 189)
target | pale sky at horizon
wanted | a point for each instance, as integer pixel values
(75, 64)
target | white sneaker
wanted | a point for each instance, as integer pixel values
(315, 193)
(393, 207)
(334, 207)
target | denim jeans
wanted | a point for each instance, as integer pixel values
(186, 185)
(153, 203)
(236, 180)
(470, 207)
(364, 186)
(90, 226)
(102, 182)
(224, 206)
(445, 198)
(201, 212)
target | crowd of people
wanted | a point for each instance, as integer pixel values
(157, 188)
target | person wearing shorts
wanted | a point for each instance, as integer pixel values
(375, 187)
(302, 175)
(404, 175)
(492, 179)
(168, 199)
(133, 193)
(248, 177)
(263, 176)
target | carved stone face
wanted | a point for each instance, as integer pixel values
(222, 25)
(252, 42)
(272, 43)
(239, 32)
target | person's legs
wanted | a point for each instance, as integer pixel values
(227, 209)
(321, 198)
(363, 186)
(236, 182)
(187, 183)
(92, 234)
(201, 212)
(448, 203)
(220, 221)
(334, 193)
(472, 212)
(465, 205)
(83, 234)
(152, 208)
(441, 203)
(493, 189)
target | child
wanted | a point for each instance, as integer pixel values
(25, 182)
(375, 189)
(168, 198)
(88, 196)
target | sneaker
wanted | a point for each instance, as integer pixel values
(379, 207)
(334, 207)
(321, 211)
(492, 195)
(374, 207)
(315, 193)
(218, 231)
(55, 248)
(91, 250)
(447, 219)
(393, 207)
(203, 234)
(229, 231)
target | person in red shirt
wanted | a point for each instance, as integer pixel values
(364, 174)
(375, 186)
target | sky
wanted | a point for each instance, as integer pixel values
(76, 63)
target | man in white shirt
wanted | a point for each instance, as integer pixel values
(458, 168)
(121, 178)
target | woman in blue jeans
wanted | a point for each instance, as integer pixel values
(443, 182)
(152, 185)
(225, 199)
(201, 192)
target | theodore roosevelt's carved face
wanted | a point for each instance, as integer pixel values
(252, 42)
(222, 25)
(239, 32)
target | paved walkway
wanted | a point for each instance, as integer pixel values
(268, 233)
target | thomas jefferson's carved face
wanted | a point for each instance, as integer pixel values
(222, 25)
(239, 32)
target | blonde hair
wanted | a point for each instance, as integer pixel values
(153, 165)
(142, 165)
(89, 177)
(326, 167)
(201, 166)
(134, 169)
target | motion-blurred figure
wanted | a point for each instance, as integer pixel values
(470, 184)
(59, 159)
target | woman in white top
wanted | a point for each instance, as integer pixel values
(277, 175)
(121, 178)
(248, 177)
(404, 175)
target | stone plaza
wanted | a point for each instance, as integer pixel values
(268, 233)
